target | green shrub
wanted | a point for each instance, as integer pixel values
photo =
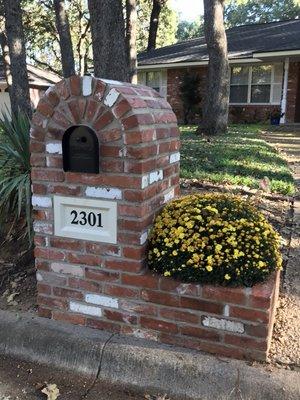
(213, 238)
(15, 193)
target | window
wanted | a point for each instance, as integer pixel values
(259, 84)
(153, 80)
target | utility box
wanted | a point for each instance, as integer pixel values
(105, 158)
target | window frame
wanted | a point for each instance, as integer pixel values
(271, 84)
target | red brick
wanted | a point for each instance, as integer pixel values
(103, 121)
(111, 165)
(248, 314)
(121, 108)
(140, 167)
(160, 298)
(43, 289)
(110, 151)
(37, 147)
(110, 136)
(201, 333)
(225, 295)
(201, 305)
(37, 133)
(178, 315)
(39, 240)
(61, 120)
(103, 325)
(38, 120)
(69, 318)
(42, 265)
(50, 254)
(37, 160)
(67, 190)
(67, 293)
(99, 89)
(245, 342)
(135, 253)
(75, 110)
(89, 286)
(45, 108)
(137, 196)
(68, 244)
(120, 317)
(54, 162)
(136, 120)
(257, 330)
(53, 302)
(145, 281)
(123, 265)
(141, 136)
(173, 285)
(55, 131)
(139, 308)
(159, 325)
(47, 175)
(44, 312)
(102, 249)
(121, 181)
(261, 294)
(121, 291)
(86, 259)
(39, 188)
(62, 89)
(92, 110)
(101, 276)
(75, 85)
(52, 97)
(140, 152)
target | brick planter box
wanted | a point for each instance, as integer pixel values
(107, 285)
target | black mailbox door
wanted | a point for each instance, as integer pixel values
(81, 150)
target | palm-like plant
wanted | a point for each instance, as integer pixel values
(15, 191)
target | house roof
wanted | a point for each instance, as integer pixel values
(37, 77)
(243, 42)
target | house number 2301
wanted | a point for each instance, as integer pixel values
(83, 218)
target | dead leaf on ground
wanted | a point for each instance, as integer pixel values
(11, 297)
(51, 391)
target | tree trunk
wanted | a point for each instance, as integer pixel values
(154, 19)
(108, 39)
(65, 41)
(6, 58)
(131, 32)
(19, 91)
(216, 103)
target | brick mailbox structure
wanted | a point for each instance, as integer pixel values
(105, 158)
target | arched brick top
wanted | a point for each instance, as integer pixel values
(132, 122)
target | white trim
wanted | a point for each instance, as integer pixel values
(285, 88)
(195, 63)
(282, 53)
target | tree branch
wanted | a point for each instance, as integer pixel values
(45, 64)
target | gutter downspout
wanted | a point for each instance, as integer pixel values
(285, 88)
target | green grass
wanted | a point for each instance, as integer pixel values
(238, 158)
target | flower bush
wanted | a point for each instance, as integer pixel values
(213, 238)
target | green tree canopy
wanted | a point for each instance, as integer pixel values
(243, 12)
(190, 30)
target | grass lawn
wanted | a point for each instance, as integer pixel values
(238, 158)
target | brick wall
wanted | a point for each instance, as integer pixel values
(108, 286)
(292, 91)
(237, 114)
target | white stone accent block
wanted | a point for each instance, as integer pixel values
(111, 97)
(175, 157)
(223, 324)
(68, 269)
(39, 277)
(43, 227)
(226, 310)
(100, 300)
(54, 148)
(112, 82)
(105, 193)
(156, 176)
(81, 308)
(144, 237)
(41, 201)
(87, 85)
(169, 196)
(145, 181)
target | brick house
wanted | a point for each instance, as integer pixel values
(264, 71)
